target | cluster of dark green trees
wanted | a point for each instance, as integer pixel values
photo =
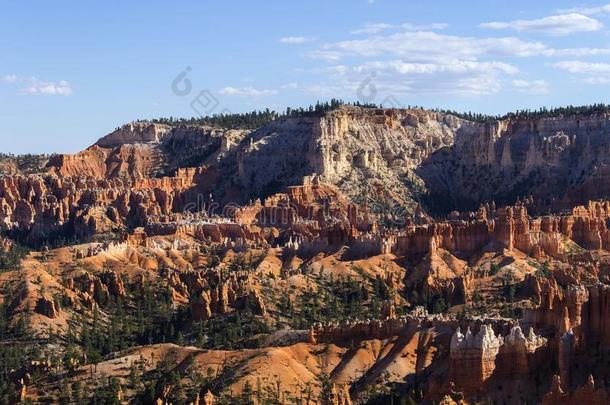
(231, 331)
(11, 258)
(433, 302)
(58, 237)
(543, 112)
(257, 119)
(14, 352)
(336, 299)
(145, 316)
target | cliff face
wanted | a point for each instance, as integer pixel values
(140, 151)
(560, 161)
(360, 150)
(387, 155)
(134, 133)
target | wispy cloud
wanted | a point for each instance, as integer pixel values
(416, 59)
(575, 66)
(597, 80)
(376, 28)
(246, 91)
(576, 52)
(423, 62)
(427, 45)
(536, 87)
(456, 66)
(290, 86)
(424, 27)
(33, 86)
(61, 88)
(10, 78)
(605, 9)
(397, 77)
(591, 73)
(563, 24)
(296, 40)
(373, 28)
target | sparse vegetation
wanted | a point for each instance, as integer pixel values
(24, 164)
(255, 119)
(11, 259)
(543, 112)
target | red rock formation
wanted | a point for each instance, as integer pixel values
(587, 394)
(236, 291)
(113, 283)
(515, 358)
(472, 358)
(200, 306)
(340, 396)
(43, 204)
(48, 307)
(559, 308)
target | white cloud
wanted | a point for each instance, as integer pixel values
(589, 10)
(376, 28)
(457, 66)
(397, 77)
(592, 73)
(11, 78)
(246, 91)
(424, 27)
(575, 66)
(426, 45)
(373, 28)
(597, 80)
(291, 86)
(325, 55)
(457, 77)
(336, 69)
(537, 87)
(563, 24)
(31, 86)
(295, 40)
(409, 60)
(577, 52)
(36, 87)
(422, 62)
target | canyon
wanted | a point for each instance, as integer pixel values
(352, 255)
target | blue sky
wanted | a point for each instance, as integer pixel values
(72, 71)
